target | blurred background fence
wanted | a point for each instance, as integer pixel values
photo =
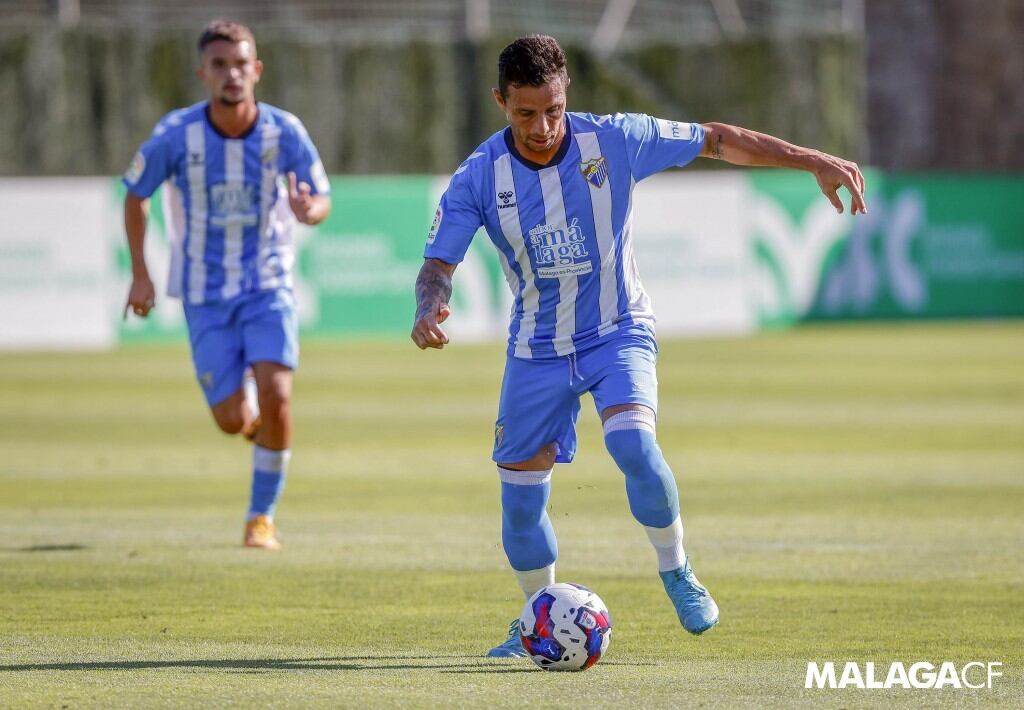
(926, 94)
(402, 86)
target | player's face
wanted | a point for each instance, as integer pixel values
(230, 71)
(536, 115)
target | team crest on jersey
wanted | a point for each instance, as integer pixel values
(595, 170)
(432, 234)
(506, 199)
(559, 250)
(136, 168)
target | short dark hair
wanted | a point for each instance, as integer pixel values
(533, 60)
(225, 30)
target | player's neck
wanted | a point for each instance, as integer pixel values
(233, 121)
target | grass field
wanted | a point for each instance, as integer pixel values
(849, 494)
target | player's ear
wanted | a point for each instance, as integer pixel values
(258, 69)
(498, 98)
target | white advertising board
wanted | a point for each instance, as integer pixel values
(56, 264)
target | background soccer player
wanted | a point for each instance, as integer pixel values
(553, 191)
(225, 162)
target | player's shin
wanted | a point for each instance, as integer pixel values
(269, 470)
(526, 531)
(650, 485)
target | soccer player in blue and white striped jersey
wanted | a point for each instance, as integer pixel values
(236, 175)
(553, 191)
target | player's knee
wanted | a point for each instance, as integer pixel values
(229, 421)
(543, 460)
(633, 451)
(630, 439)
(275, 403)
(523, 504)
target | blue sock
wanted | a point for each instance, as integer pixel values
(650, 485)
(526, 532)
(269, 468)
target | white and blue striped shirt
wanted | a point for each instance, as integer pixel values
(227, 213)
(563, 231)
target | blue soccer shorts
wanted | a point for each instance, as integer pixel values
(261, 326)
(540, 399)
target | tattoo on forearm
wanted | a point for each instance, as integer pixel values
(433, 286)
(716, 149)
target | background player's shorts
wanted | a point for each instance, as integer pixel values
(261, 326)
(540, 399)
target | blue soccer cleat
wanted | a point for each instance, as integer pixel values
(695, 608)
(511, 647)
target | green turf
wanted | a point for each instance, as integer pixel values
(849, 494)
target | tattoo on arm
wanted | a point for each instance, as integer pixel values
(433, 285)
(716, 149)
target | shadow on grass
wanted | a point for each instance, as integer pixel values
(445, 664)
(529, 667)
(50, 548)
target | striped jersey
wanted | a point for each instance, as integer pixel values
(563, 231)
(226, 204)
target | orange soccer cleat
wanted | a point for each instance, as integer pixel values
(260, 532)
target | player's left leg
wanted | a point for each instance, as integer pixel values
(536, 427)
(625, 392)
(271, 346)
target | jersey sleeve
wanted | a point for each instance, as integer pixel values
(150, 166)
(304, 159)
(457, 219)
(655, 144)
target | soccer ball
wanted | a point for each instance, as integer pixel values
(565, 627)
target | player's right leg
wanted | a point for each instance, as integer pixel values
(535, 428)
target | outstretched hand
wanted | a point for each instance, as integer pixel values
(832, 173)
(427, 331)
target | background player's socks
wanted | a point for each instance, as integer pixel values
(526, 532)
(650, 485)
(269, 468)
(668, 543)
(532, 580)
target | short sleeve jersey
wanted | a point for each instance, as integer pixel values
(225, 199)
(563, 231)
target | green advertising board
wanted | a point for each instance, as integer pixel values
(930, 246)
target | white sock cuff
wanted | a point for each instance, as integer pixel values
(533, 579)
(631, 419)
(666, 537)
(523, 478)
(270, 460)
